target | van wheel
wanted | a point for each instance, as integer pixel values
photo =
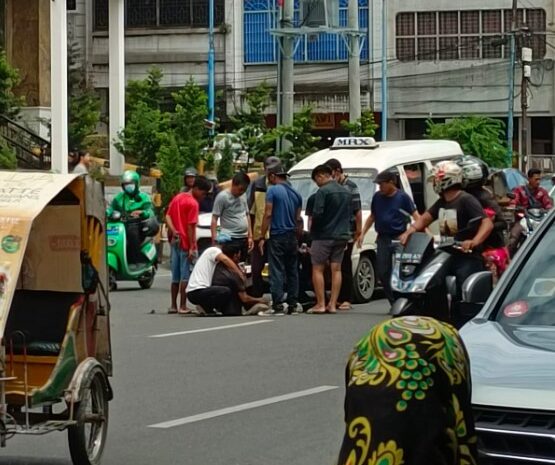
(365, 280)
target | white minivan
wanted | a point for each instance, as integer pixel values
(362, 158)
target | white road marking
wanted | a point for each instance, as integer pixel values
(163, 275)
(242, 407)
(215, 328)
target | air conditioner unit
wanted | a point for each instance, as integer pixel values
(318, 13)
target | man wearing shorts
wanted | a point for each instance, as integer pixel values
(331, 230)
(182, 218)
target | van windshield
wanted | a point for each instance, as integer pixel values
(304, 185)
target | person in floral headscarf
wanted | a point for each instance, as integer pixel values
(408, 397)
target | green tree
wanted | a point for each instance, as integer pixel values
(8, 160)
(144, 133)
(9, 78)
(148, 91)
(249, 122)
(477, 135)
(299, 135)
(187, 121)
(172, 165)
(365, 126)
(84, 104)
(146, 124)
(225, 165)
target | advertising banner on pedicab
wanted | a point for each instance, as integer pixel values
(23, 196)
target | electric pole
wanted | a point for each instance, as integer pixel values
(287, 70)
(526, 73)
(211, 67)
(354, 62)
(512, 66)
(384, 71)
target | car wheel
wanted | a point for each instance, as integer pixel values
(364, 280)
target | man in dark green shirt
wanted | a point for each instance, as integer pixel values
(331, 229)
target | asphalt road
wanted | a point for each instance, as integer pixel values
(266, 392)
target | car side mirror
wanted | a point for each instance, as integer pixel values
(477, 288)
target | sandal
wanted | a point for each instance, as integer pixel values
(345, 306)
(184, 311)
(172, 311)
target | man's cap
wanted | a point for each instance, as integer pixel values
(386, 176)
(191, 172)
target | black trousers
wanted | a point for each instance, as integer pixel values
(212, 298)
(135, 238)
(258, 261)
(346, 292)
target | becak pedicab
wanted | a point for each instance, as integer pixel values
(55, 352)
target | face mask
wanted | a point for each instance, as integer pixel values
(129, 188)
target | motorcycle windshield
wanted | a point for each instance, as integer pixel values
(419, 246)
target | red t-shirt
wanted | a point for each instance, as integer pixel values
(183, 211)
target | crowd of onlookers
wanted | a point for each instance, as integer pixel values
(257, 223)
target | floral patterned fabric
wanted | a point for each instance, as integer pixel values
(408, 397)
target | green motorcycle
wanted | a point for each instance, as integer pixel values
(119, 267)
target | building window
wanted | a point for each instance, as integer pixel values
(161, 13)
(71, 5)
(466, 35)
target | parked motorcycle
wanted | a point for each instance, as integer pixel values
(119, 267)
(420, 279)
(529, 220)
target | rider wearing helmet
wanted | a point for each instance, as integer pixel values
(189, 178)
(475, 176)
(454, 210)
(132, 204)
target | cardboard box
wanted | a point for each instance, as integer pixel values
(52, 259)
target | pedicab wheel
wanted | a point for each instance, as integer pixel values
(112, 281)
(365, 280)
(146, 281)
(88, 437)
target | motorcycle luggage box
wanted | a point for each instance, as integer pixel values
(419, 246)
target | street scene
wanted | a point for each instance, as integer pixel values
(193, 376)
(277, 232)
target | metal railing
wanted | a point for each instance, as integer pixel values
(31, 150)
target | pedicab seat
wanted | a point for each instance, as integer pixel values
(38, 320)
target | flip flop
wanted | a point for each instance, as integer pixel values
(184, 311)
(313, 311)
(331, 311)
(344, 307)
(172, 311)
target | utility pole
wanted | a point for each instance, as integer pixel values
(211, 67)
(384, 71)
(371, 54)
(287, 70)
(512, 66)
(116, 71)
(526, 73)
(58, 85)
(354, 62)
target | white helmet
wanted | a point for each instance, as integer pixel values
(475, 171)
(446, 174)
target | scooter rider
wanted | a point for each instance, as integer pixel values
(475, 176)
(532, 195)
(454, 210)
(133, 205)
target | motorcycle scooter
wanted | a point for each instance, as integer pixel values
(119, 267)
(420, 279)
(530, 220)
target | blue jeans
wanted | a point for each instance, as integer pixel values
(180, 264)
(284, 272)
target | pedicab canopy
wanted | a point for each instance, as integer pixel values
(41, 221)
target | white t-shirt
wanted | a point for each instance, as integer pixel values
(202, 274)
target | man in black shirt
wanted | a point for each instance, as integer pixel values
(454, 210)
(331, 216)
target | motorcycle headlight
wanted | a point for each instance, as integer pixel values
(422, 280)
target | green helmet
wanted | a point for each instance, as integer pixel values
(130, 178)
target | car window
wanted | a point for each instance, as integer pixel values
(305, 186)
(530, 299)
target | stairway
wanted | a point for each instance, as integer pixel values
(32, 151)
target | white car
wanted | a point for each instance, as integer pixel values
(511, 344)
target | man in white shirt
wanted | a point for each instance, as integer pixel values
(214, 300)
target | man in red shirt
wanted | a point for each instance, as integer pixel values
(532, 195)
(182, 219)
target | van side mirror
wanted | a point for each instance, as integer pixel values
(477, 288)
